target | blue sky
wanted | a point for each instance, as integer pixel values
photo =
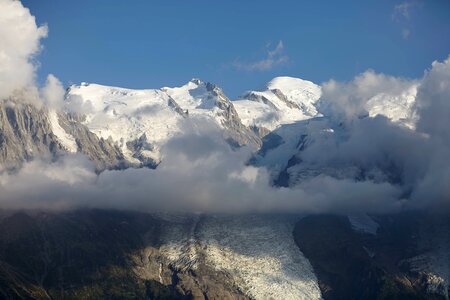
(239, 45)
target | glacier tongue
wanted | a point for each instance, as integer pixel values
(261, 255)
(257, 252)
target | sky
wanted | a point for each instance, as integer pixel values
(239, 45)
(355, 161)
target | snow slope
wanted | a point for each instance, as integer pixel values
(397, 108)
(125, 115)
(67, 140)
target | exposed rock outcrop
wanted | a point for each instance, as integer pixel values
(27, 132)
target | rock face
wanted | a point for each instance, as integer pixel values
(235, 132)
(24, 133)
(27, 132)
(380, 264)
(79, 255)
(102, 152)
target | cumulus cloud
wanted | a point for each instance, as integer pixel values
(433, 101)
(433, 106)
(20, 42)
(275, 57)
(412, 160)
(348, 100)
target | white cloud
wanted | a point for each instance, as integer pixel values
(218, 181)
(53, 92)
(275, 57)
(433, 101)
(20, 42)
(348, 100)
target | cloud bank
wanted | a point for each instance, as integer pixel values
(214, 180)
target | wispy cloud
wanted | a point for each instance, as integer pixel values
(402, 14)
(403, 10)
(274, 57)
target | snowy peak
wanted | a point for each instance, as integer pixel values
(285, 100)
(197, 94)
(100, 96)
(296, 89)
(295, 93)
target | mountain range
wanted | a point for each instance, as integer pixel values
(118, 127)
(94, 254)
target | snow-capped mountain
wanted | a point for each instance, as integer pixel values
(141, 121)
(314, 120)
(133, 125)
(244, 257)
